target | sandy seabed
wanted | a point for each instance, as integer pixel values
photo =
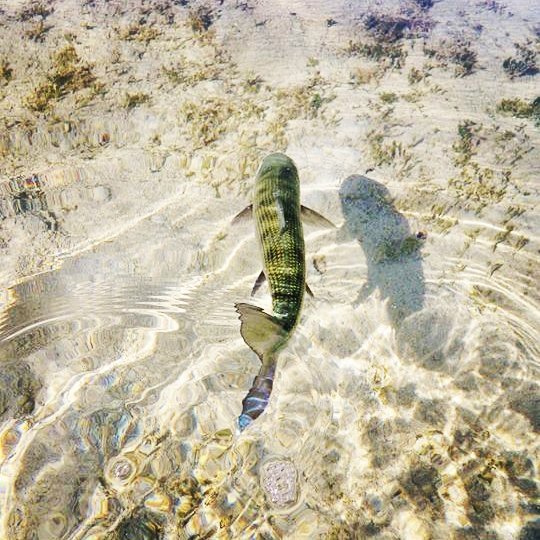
(406, 405)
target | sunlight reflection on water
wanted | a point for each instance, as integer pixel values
(406, 404)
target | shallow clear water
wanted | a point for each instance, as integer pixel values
(406, 404)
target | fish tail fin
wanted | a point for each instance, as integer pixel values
(264, 335)
(262, 332)
(256, 400)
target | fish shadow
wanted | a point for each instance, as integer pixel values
(392, 251)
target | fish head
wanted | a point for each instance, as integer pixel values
(278, 167)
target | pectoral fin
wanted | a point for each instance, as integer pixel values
(262, 333)
(314, 218)
(258, 282)
(246, 213)
(309, 291)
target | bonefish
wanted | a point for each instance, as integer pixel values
(277, 212)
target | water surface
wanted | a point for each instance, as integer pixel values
(406, 405)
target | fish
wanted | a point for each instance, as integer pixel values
(277, 213)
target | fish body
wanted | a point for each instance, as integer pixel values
(277, 211)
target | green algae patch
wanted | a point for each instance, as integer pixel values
(388, 97)
(458, 52)
(201, 19)
(302, 101)
(68, 75)
(6, 72)
(135, 99)
(465, 146)
(37, 31)
(386, 35)
(477, 187)
(189, 74)
(208, 120)
(392, 153)
(524, 61)
(521, 108)
(138, 32)
(394, 250)
(36, 9)
(417, 75)
(390, 55)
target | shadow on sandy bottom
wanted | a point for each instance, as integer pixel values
(392, 251)
(430, 336)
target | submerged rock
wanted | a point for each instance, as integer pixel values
(142, 525)
(279, 479)
(18, 389)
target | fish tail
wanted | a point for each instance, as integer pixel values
(256, 400)
(263, 333)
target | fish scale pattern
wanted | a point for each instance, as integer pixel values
(279, 228)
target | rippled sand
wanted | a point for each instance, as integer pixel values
(406, 406)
